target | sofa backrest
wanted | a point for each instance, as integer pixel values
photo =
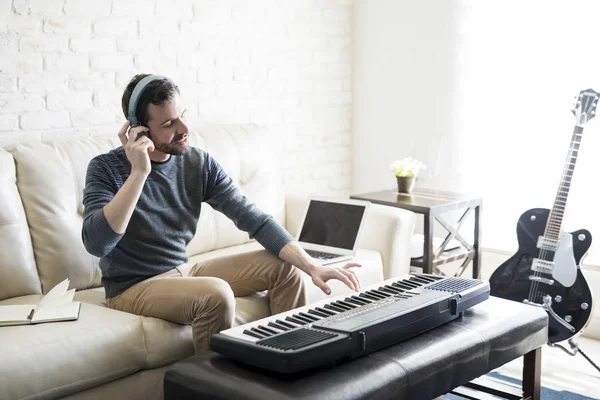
(50, 178)
(246, 154)
(18, 274)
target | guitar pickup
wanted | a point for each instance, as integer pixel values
(541, 280)
(546, 243)
(542, 266)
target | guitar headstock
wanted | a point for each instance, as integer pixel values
(584, 107)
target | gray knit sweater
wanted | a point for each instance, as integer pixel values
(165, 216)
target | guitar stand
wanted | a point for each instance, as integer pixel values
(574, 346)
(574, 350)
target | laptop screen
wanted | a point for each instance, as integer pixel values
(332, 224)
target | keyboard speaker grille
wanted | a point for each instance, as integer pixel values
(296, 339)
(454, 285)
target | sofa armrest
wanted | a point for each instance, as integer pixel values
(387, 230)
(294, 207)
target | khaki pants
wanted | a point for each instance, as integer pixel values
(203, 294)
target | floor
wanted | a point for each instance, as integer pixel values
(562, 371)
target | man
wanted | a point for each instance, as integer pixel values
(142, 205)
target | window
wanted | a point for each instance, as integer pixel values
(519, 71)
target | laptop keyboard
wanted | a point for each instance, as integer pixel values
(321, 255)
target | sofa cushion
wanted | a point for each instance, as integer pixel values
(167, 342)
(56, 359)
(18, 274)
(50, 178)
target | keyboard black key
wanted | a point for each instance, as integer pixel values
(259, 332)
(376, 294)
(419, 280)
(278, 326)
(345, 307)
(369, 296)
(394, 288)
(287, 324)
(358, 300)
(401, 285)
(323, 310)
(384, 294)
(270, 330)
(301, 318)
(334, 308)
(264, 331)
(309, 317)
(389, 290)
(347, 304)
(319, 313)
(253, 334)
(295, 320)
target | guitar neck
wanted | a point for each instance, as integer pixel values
(553, 226)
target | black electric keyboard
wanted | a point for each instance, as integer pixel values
(352, 325)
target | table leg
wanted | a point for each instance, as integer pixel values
(428, 244)
(532, 369)
(477, 243)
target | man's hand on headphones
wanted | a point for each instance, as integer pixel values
(137, 150)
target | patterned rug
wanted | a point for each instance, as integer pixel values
(547, 393)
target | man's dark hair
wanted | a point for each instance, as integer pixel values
(157, 92)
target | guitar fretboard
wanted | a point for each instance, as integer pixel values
(553, 226)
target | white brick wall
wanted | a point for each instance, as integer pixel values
(284, 63)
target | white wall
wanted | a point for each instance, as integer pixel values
(405, 56)
(287, 64)
(482, 93)
(479, 92)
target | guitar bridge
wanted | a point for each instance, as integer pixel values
(541, 280)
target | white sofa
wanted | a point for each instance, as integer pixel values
(112, 354)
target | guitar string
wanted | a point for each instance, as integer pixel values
(553, 226)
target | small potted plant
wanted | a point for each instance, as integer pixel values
(406, 171)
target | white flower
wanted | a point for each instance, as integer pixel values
(408, 166)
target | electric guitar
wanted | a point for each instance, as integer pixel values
(545, 270)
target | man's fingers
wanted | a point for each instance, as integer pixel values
(342, 277)
(322, 285)
(145, 143)
(350, 265)
(134, 132)
(353, 278)
(122, 133)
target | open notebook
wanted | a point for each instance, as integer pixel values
(56, 305)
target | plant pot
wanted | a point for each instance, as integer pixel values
(405, 183)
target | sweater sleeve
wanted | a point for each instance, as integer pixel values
(97, 235)
(222, 194)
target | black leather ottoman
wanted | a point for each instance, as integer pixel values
(429, 365)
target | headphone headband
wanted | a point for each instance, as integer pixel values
(136, 94)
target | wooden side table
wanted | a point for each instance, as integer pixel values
(432, 204)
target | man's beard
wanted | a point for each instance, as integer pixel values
(171, 148)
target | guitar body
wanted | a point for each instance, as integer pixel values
(512, 279)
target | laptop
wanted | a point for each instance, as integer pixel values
(330, 228)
